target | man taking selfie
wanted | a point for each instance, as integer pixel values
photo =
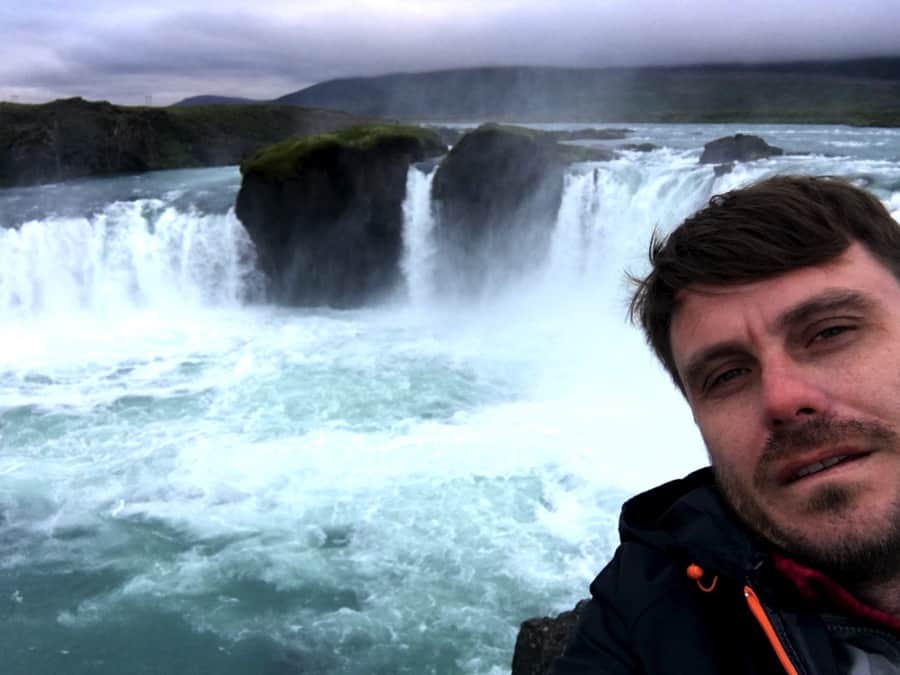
(776, 311)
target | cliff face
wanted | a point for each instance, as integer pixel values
(73, 138)
(326, 213)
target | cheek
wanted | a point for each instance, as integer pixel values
(733, 447)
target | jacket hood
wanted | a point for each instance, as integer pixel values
(687, 518)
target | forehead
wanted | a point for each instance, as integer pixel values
(706, 313)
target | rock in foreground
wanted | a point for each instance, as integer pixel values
(737, 148)
(326, 212)
(540, 641)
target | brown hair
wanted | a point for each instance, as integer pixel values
(769, 228)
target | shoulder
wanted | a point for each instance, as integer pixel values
(631, 594)
(637, 580)
(647, 616)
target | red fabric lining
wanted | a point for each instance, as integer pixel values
(818, 588)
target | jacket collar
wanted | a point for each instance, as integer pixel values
(687, 518)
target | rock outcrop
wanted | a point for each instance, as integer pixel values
(496, 196)
(326, 212)
(73, 138)
(737, 148)
(540, 641)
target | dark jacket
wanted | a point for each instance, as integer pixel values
(647, 615)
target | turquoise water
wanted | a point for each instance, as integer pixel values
(318, 492)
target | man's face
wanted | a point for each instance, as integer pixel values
(794, 383)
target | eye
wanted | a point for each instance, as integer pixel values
(724, 378)
(831, 332)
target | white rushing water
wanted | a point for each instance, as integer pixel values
(199, 483)
(135, 253)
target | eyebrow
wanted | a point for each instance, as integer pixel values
(829, 300)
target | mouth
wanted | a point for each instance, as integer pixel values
(798, 471)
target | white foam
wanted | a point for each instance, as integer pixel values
(132, 254)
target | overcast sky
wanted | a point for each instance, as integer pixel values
(168, 49)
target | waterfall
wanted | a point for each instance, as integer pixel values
(418, 244)
(141, 253)
(604, 217)
(607, 212)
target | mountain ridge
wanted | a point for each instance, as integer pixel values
(858, 91)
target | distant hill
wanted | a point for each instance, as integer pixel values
(865, 91)
(217, 100)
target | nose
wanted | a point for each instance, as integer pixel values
(791, 394)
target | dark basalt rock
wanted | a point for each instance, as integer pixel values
(723, 169)
(326, 212)
(73, 138)
(737, 148)
(640, 147)
(496, 194)
(540, 641)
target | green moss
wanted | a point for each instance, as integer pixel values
(534, 134)
(280, 160)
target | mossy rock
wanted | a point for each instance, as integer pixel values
(326, 212)
(282, 160)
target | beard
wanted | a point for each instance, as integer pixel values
(867, 552)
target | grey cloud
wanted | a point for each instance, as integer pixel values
(224, 49)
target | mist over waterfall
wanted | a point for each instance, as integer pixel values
(198, 481)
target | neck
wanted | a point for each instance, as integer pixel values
(882, 595)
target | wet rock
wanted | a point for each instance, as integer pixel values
(737, 148)
(541, 640)
(496, 195)
(723, 169)
(326, 212)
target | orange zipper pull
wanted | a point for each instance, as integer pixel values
(762, 618)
